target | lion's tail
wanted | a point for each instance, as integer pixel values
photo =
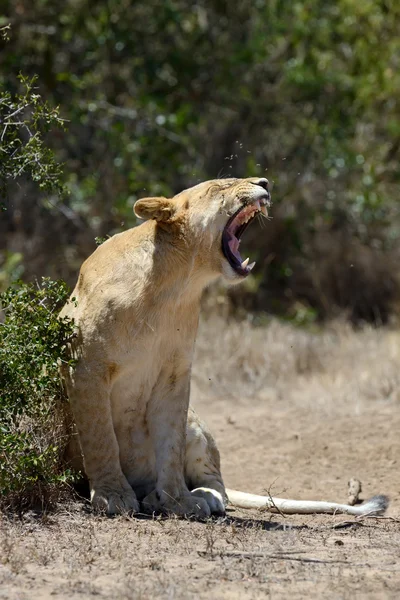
(374, 506)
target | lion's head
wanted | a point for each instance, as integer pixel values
(213, 216)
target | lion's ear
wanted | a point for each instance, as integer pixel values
(160, 209)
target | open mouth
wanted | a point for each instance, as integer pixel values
(235, 228)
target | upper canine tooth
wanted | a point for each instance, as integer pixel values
(264, 210)
(245, 263)
(251, 265)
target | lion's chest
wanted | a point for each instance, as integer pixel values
(152, 372)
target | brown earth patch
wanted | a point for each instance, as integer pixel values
(295, 413)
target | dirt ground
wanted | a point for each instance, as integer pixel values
(295, 413)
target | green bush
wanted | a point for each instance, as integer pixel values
(303, 92)
(33, 406)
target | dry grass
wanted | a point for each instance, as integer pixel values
(336, 363)
(290, 409)
(85, 556)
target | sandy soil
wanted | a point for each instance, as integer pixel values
(294, 413)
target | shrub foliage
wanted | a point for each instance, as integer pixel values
(159, 95)
(33, 422)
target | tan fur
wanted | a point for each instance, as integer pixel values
(136, 307)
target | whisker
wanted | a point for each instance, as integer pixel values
(261, 220)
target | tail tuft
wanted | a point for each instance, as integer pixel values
(377, 505)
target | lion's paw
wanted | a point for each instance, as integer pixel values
(213, 498)
(184, 505)
(114, 500)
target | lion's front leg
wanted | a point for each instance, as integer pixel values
(167, 417)
(89, 395)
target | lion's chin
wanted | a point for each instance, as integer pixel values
(231, 275)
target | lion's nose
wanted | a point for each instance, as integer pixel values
(262, 182)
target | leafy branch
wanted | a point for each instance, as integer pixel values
(24, 119)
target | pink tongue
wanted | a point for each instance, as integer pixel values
(237, 221)
(234, 247)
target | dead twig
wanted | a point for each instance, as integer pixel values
(379, 518)
(281, 556)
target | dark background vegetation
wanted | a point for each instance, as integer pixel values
(161, 94)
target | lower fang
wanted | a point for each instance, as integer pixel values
(251, 265)
(245, 263)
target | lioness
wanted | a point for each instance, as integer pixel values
(136, 310)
